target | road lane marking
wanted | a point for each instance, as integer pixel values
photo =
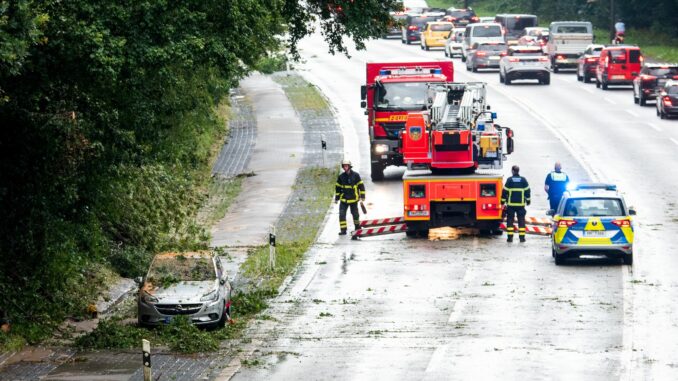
(627, 356)
(457, 310)
(632, 113)
(656, 128)
(674, 141)
(608, 100)
(436, 358)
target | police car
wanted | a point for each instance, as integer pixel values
(592, 219)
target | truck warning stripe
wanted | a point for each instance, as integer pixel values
(530, 229)
(383, 230)
(537, 221)
(382, 221)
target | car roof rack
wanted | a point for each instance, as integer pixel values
(592, 186)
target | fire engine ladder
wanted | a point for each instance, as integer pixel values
(449, 112)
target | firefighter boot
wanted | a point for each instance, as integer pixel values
(342, 232)
(521, 234)
(509, 234)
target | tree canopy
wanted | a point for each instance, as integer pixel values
(108, 122)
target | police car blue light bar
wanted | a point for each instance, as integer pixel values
(610, 187)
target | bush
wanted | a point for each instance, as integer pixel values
(273, 63)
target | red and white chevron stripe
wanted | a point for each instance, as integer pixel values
(530, 229)
(537, 221)
(382, 230)
(382, 221)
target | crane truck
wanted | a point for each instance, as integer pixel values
(454, 152)
(392, 90)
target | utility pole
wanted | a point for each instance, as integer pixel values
(612, 20)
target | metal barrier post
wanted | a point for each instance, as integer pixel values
(271, 248)
(323, 147)
(146, 348)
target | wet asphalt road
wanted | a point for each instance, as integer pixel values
(391, 307)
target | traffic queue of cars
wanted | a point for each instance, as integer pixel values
(514, 45)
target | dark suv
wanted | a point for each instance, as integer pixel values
(651, 80)
(461, 17)
(413, 26)
(667, 100)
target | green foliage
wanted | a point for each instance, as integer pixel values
(114, 333)
(182, 336)
(252, 302)
(130, 261)
(272, 63)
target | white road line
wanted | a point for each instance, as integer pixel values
(627, 316)
(610, 101)
(632, 113)
(674, 141)
(436, 358)
(655, 127)
(588, 89)
(457, 310)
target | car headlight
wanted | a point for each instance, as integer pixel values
(211, 296)
(381, 148)
(148, 298)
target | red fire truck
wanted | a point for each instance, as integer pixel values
(392, 91)
(454, 152)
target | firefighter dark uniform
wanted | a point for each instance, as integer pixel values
(515, 195)
(557, 184)
(349, 190)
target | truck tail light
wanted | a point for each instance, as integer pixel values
(621, 223)
(667, 101)
(566, 223)
(646, 77)
(490, 206)
(560, 57)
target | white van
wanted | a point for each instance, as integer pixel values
(480, 33)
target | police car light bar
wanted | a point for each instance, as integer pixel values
(610, 187)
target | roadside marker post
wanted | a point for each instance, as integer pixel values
(146, 349)
(323, 147)
(271, 248)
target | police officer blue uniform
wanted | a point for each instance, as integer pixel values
(515, 195)
(555, 185)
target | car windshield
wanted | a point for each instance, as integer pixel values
(173, 268)
(487, 31)
(441, 27)
(664, 71)
(421, 21)
(593, 207)
(520, 23)
(402, 96)
(520, 53)
(493, 48)
(572, 29)
(673, 90)
(460, 13)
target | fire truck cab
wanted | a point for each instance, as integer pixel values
(392, 91)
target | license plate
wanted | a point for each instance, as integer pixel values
(420, 213)
(618, 77)
(168, 319)
(595, 234)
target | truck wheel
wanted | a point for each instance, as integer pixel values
(377, 172)
(411, 234)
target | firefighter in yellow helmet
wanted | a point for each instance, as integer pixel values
(515, 195)
(349, 190)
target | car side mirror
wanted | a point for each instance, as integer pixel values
(139, 281)
(363, 104)
(632, 211)
(550, 212)
(363, 92)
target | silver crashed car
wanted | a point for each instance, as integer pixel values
(191, 283)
